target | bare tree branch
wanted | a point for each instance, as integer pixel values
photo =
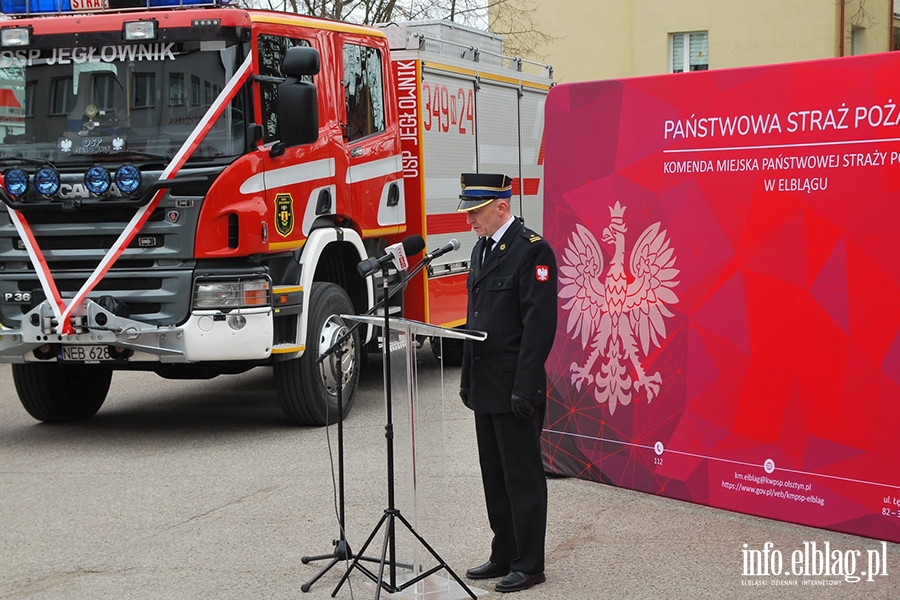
(513, 19)
(515, 22)
(860, 17)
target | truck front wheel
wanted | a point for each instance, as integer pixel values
(307, 390)
(57, 393)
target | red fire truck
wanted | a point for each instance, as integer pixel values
(189, 189)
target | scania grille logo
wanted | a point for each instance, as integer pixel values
(77, 190)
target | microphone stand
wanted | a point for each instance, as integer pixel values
(341, 547)
(342, 551)
(392, 513)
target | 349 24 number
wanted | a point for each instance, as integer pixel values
(448, 111)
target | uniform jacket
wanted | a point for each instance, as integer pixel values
(512, 297)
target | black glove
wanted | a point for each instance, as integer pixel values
(464, 394)
(521, 407)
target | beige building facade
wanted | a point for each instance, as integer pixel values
(603, 39)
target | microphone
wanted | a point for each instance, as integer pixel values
(395, 252)
(448, 247)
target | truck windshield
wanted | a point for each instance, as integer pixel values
(81, 103)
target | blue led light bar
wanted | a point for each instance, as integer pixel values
(46, 181)
(43, 7)
(16, 182)
(97, 180)
(128, 179)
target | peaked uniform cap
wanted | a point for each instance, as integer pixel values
(479, 189)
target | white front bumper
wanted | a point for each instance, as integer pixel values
(206, 336)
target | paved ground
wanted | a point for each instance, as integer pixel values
(199, 490)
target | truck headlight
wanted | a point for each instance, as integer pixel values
(97, 180)
(11, 37)
(213, 294)
(46, 181)
(16, 181)
(128, 179)
(140, 30)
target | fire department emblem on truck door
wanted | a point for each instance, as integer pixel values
(284, 214)
(617, 314)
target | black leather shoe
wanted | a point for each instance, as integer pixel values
(487, 571)
(517, 580)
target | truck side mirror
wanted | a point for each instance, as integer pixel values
(299, 61)
(298, 108)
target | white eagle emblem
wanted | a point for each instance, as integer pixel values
(615, 311)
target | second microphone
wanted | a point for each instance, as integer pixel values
(396, 253)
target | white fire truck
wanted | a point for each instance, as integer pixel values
(189, 188)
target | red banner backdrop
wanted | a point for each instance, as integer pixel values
(729, 328)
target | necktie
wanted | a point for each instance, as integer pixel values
(488, 246)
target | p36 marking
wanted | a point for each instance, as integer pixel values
(17, 297)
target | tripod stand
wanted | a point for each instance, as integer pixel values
(392, 514)
(342, 550)
(337, 350)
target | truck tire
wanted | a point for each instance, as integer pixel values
(55, 393)
(306, 397)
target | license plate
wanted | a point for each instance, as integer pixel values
(86, 354)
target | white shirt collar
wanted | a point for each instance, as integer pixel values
(502, 230)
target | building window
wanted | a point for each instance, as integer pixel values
(176, 89)
(195, 90)
(858, 41)
(689, 52)
(144, 90)
(62, 99)
(30, 88)
(363, 91)
(105, 91)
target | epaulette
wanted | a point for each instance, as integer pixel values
(530, 235)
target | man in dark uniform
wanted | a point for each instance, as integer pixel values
(512, 297)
